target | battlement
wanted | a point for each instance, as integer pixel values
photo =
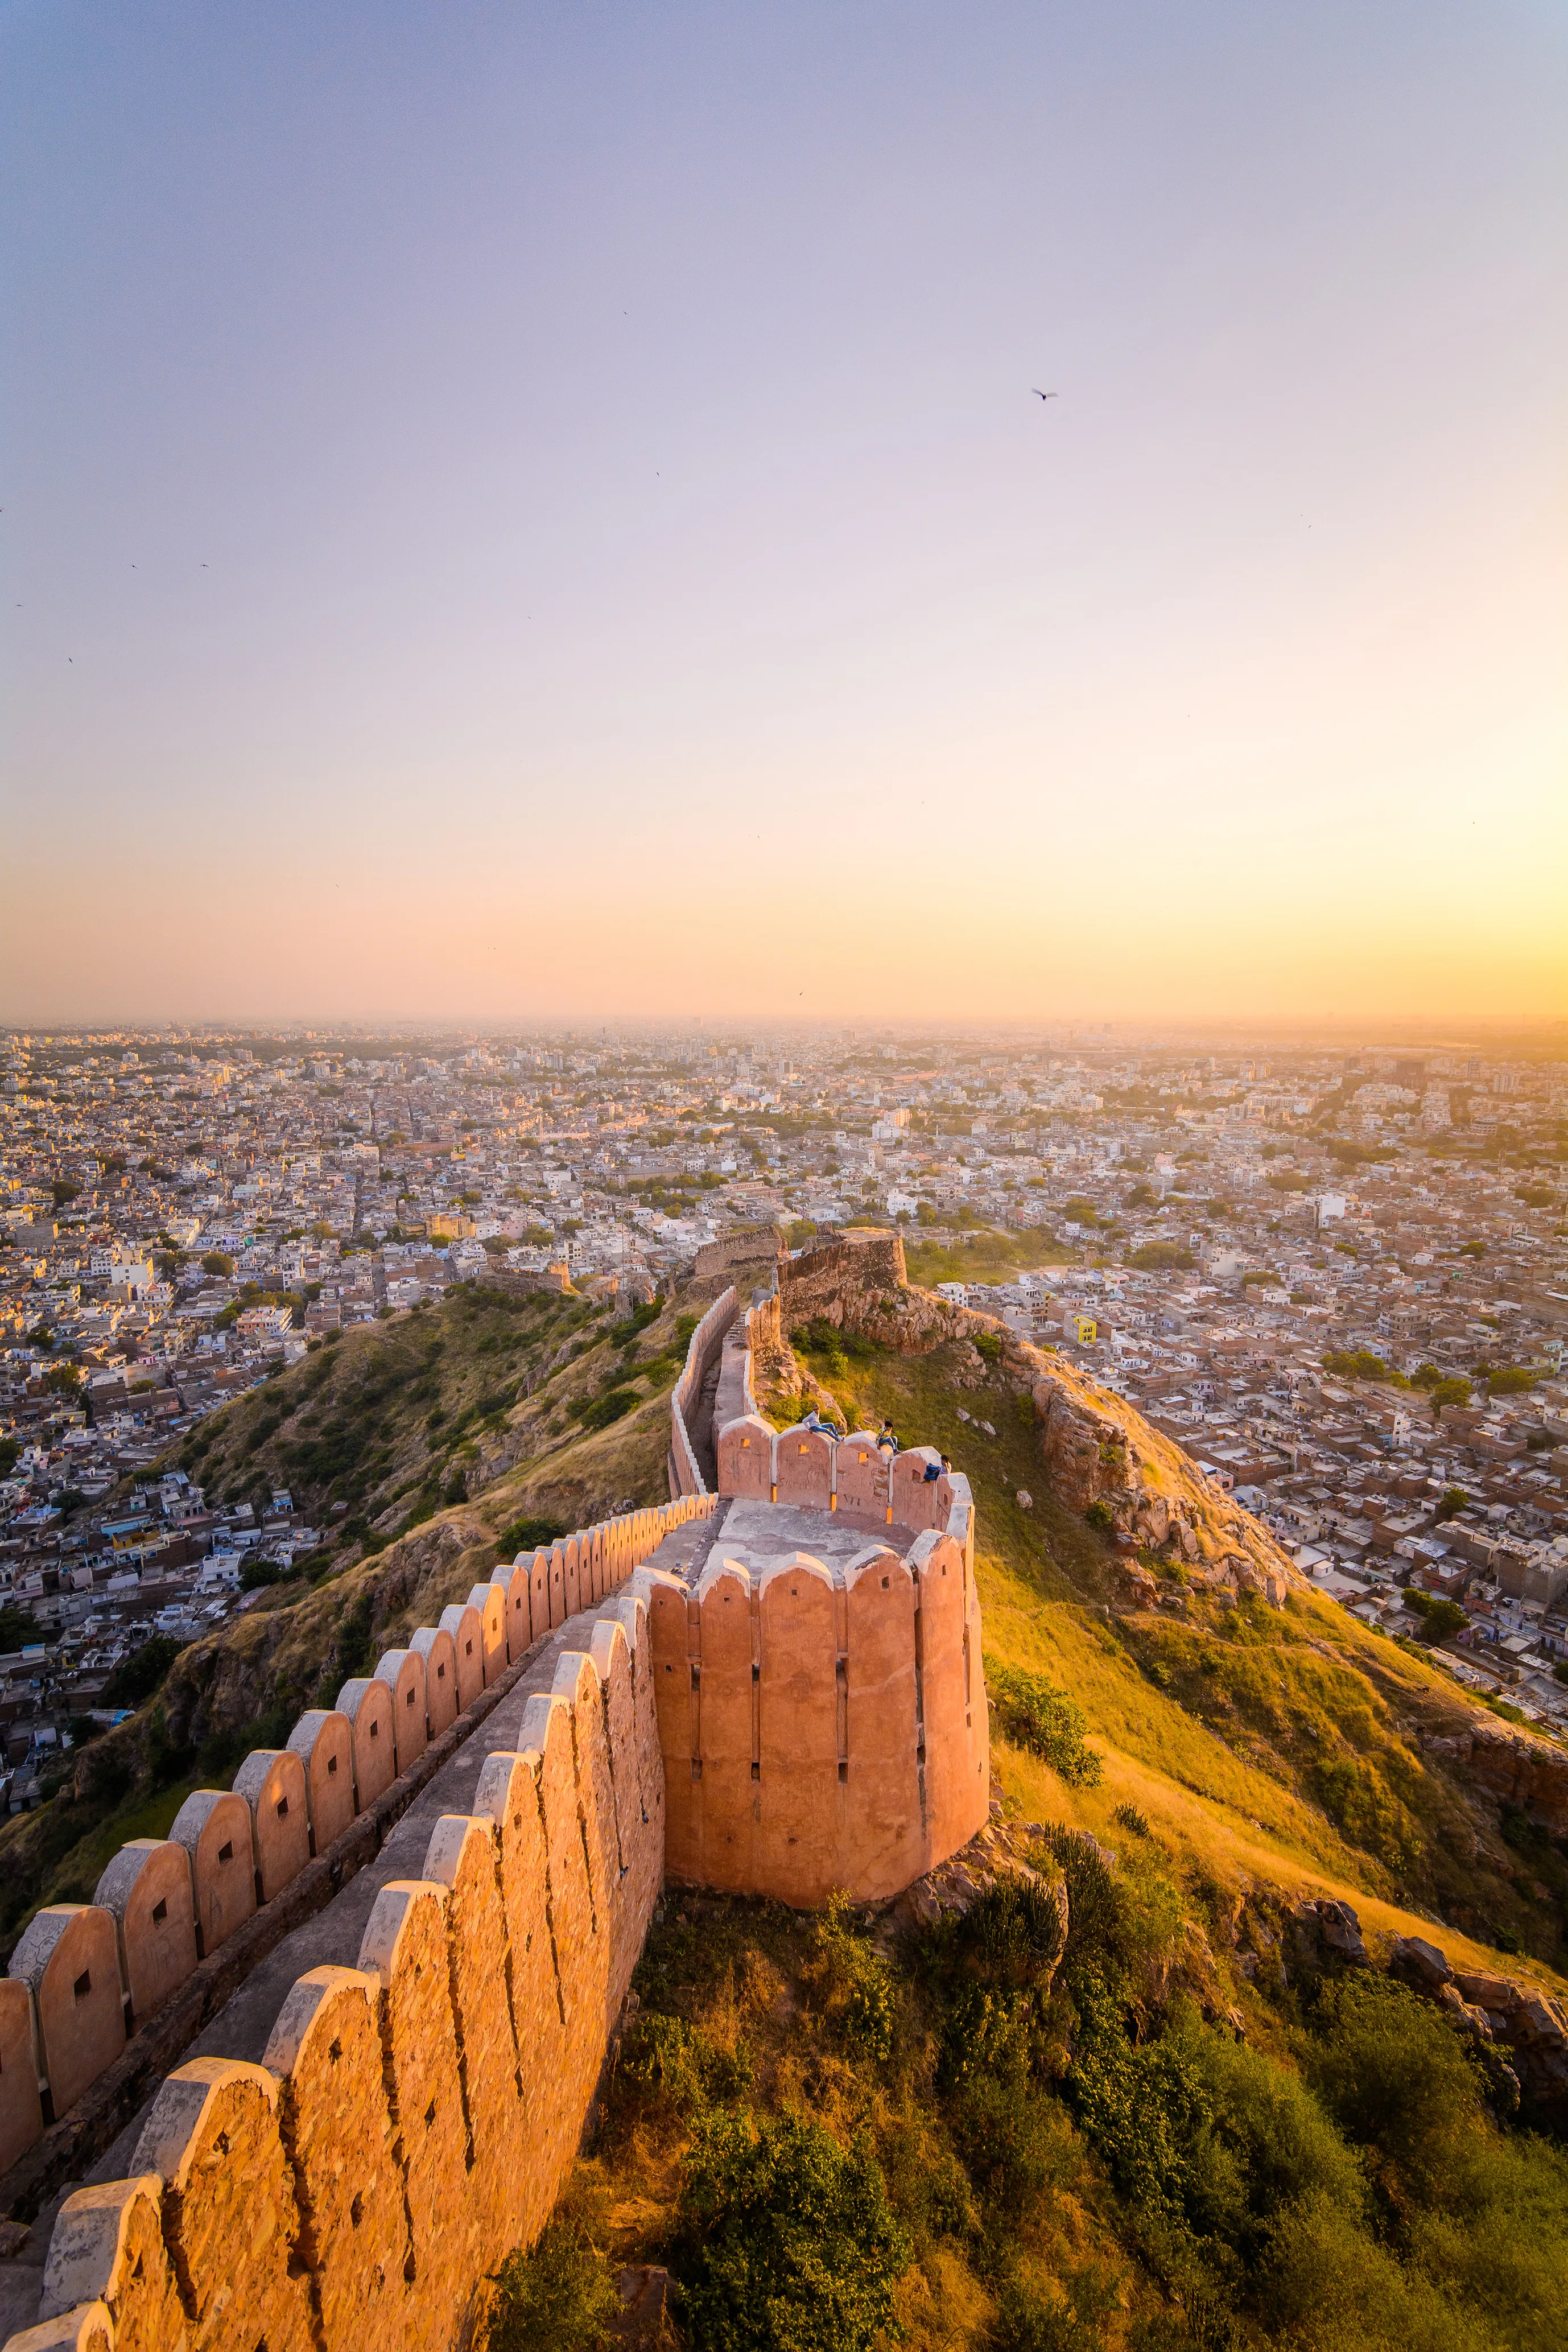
(821, 1712)
(537, 1901)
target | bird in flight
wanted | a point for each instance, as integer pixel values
(1044, 395)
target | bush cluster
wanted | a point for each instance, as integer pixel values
(927, 2125)
(1032, 1713)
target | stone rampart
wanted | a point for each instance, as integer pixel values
(86, 1975)
(415, 2116)
(823, 1723)
(685, 1470)
(812, 1470)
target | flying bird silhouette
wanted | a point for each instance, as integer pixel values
(1044, 395)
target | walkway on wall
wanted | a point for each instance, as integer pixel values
(700, 1426)
(334, 1935)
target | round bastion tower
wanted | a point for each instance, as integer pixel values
(816, 1655)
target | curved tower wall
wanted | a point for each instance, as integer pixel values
(820, 1730)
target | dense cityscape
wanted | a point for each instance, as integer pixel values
(1339, 1280)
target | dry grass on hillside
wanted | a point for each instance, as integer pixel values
(423, 1509)
(1281, 1745)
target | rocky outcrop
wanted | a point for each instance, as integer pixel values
(1325, 1934)
(1095, 1447)
(1003, 1849)
(1520, 2031)
(1518, 2023)
(1515, 1770)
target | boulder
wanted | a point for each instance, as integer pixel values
(1327, 1933)
(1419, 1963)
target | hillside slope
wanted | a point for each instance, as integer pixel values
(1278, 1740)
(429, 1447)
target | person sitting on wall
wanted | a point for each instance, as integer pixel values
(887, 1443)
(814, 1420)
(935, 1470)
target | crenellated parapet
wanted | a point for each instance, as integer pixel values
(415, 2114)
(821, 1708)
(821, 1704)
(86, 1976)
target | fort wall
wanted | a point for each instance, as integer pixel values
(84, 1976)
(413, 2115)
(821, 1725)
(685, 1471)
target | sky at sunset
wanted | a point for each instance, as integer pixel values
(527, 511)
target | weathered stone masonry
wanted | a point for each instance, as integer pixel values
(415, 2116)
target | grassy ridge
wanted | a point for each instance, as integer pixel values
(439, 1433)
(1282, 1745)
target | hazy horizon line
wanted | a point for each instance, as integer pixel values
(1371, 1029)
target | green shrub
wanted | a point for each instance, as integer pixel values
(1067, 2320)
(257, 1575)
(988, 2033)
(1033, 1714)
(1100, 1515)
(19, 1628)
(1012, 1936)
(1014, 2138)
(792, 2245)
(528, 1535)
(1284, 2145)
(1439, 1617)
(1094, 1897)
(988, 1345)
(1161, 1258)
(1145, 2110)
(1361, 1364)
(136, 1678)
(821, 1338)
(351, 1650)
(558, 2298)
(1398, 2081)
(666, 2060)
(1323, 2282)
(853, 1983)
(991, 1971)
(611, 1407)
